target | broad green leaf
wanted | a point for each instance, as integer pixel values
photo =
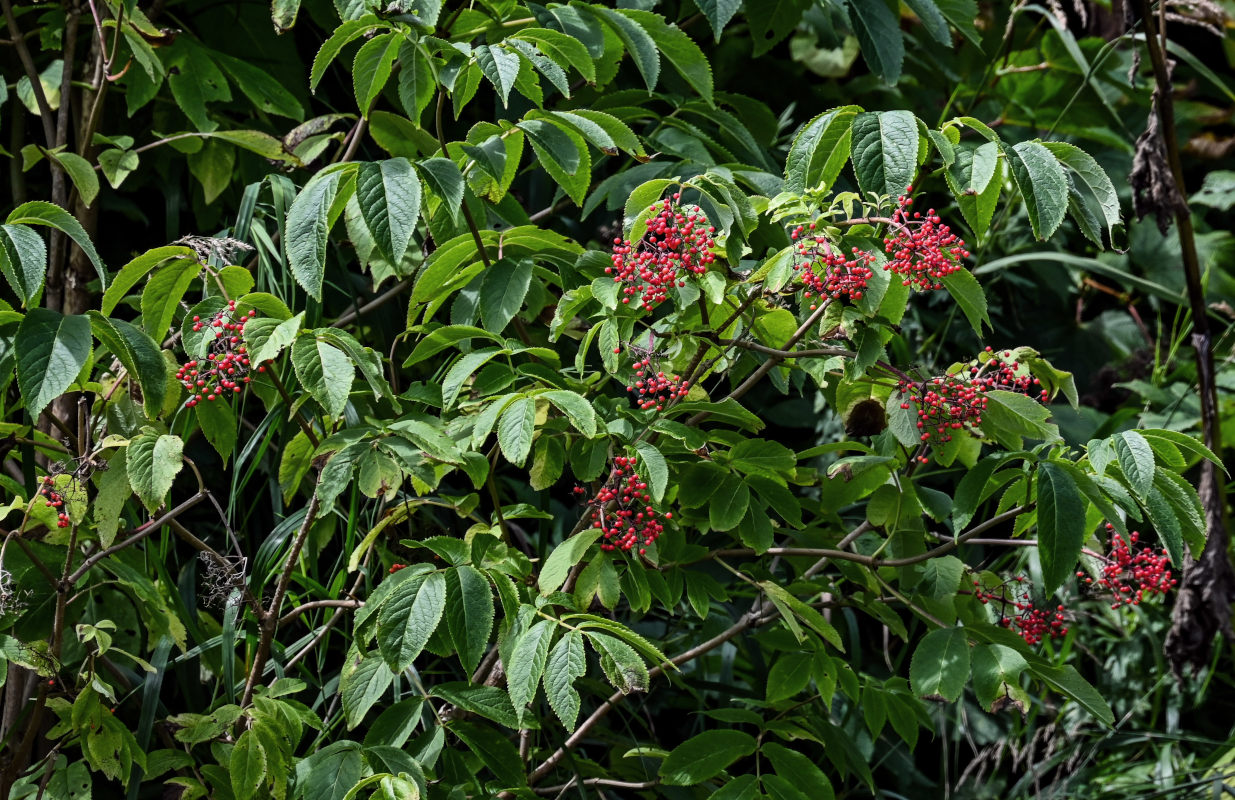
(879, 34)
(577, 408)
(462, 370)
(408, 618)
(563, 154)
(703, 756)
(325, 371)
(558, 565)
(161, 298)
(679, 49)
(996, 673)
(416, 82)
(636, 41)
(283, 14)
(196, 81)
(798, 769)
(968, 294)
(502, 292)
(349, 31)
(308, 223)
(267, 338)
(564, 49)
(247, 766)
(820, 150)
(23, 260)
(372, 67)
(495, 751)
(932, 19)
(81, 173)
(527, 664)
(388, 193)
(1097, 193)
(131, 273)
(38, 212)
(728, 505)
(1061, 525)
(516, 428)
(1044, 187)
(885, 149)
(1011, 415)
(788, 676)
(51, 350)
(940, 664)
(1069, 682)
(653, 467)
(470, 621)
(500, 66)
(153, 462)
(443, 178)
(1136, 459)
(620, 662)
(567, 662)
(361, 684)
(139, 354)
(718, 13)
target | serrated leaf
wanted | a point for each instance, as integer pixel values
(1043, 185)
(879, 35)
(820, 150)
(51, 350)
(38, 212)
(1136, 459)
(940, 664)
(636, 41)
(968, 294)
(388, 193)
(679, 49)
(527, 664)
(577, 408)
(567, 662)
(558, 565)
(408, 618)
(308, 223)
(325, 371)
(885, 150)
(372, 67)
(652, 465)
(1061, 525)
(361, 685)
(153, 462)
(23, 260)
(470, 621)
(500, 66)
(502, 292)
(515, 430)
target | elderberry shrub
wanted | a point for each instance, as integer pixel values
(55, 500)
(653, 388)
(622, 509)
(225, 369)
(921, 248)
(678, 244)
(1018, 612)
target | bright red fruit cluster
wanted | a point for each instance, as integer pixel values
(653, 388)
(921, 249)
(999, 371)
(1132, 575)
(678, 244)
(829, 273)
(226, 367)
(945, 404)
(623, 511)
(1018, 613)
(55, 500)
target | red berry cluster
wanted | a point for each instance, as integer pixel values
(828, 273)
(55, 500)
(1132, 575)
(653, 388)
(622, 509)
(922, 249)
(226, 367)
(945, 404)
(678, 244)
(997, 371)
(1018, 613)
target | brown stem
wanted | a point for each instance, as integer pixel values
(32, 72)
(291, 408)
(344, 604)
(141, 532)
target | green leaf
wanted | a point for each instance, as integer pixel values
(495, 751)
(563, 154)
(567, 662)
(885, 148)
(416, 81)
(879, 35)
(527, 664)
(1068, 681)
(1061, 525)
(962, 14)
(1136, 459)
(557, 566)
(762, 456)
(325, 371)
(1011, 415)
(23, 260)
(267, 338)
(1043, 185)
(652, 466)
(820, 150)
(444, 180)
(704, 756)
(246, 766)
(283, 14)
(636, 41)
(372, 67)
(798, 769)
(577, 408)
(729, 503)
(139, 354)
(620, 663)
(81, 173)
(462, 370)
(308, 223)
(388, 193)
(788, 676)
(361, 685)
(502, 292)
(500, 66)
(264, 90)
(37, 212)
(470, 621)
(161, 298)
(488, 701)
(131, 273)
(153, 462)
(195, 80)
(968, 294)
(1095, 190)
(349, 31)
(679, 49)
(776, 20)
(515, 430)
(996, 672)
(51, 350)
(408, 618)
(718, 13)
(940, 664)
(564, 49)
(792, 610)
(932, 19)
